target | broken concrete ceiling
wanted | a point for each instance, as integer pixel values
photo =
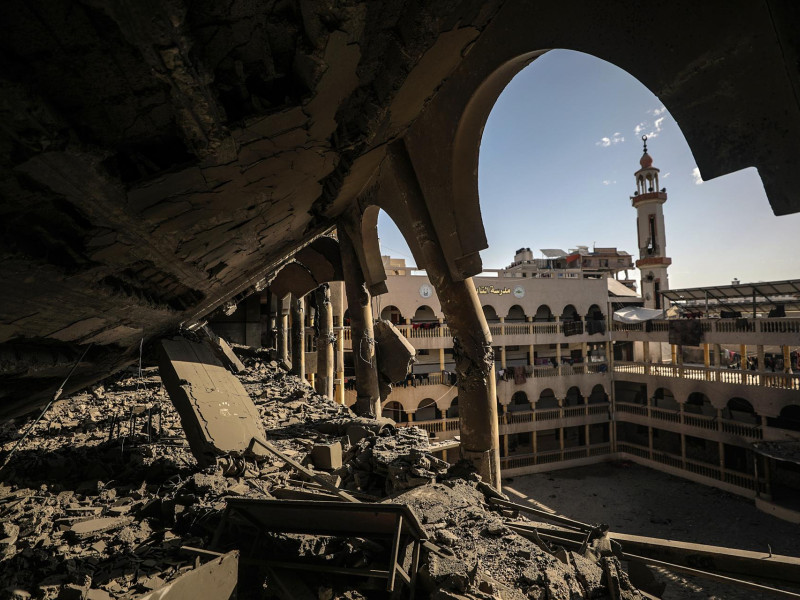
(159, 158)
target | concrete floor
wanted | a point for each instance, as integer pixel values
(636, 500)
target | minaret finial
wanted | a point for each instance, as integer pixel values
(644, 139)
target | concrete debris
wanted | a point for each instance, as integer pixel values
(97, 513)
(394, 352)
(216, 412)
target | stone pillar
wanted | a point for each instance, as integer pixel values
(361, 333)
(441, 361)
(707, 360)
(646, 356)
(472, 341)
(338, 319)
(410, 416)
(502, 326)
(787, 359)
(502, 357)
(585, 356)
(505, 445)
(534, 442)
(297, 307)
(283, 330)
(558, 357)
(674, 351)
(680, 361)
(530, 355)
(743, 359)
(717, 361)
(325, 342)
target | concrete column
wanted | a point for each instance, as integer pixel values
(722, 458)
(283, 330)
(271, 321)
(586, 435)
(646, 356)
(760, 357)
(410, 416)
(441, 359)
(680, 361)
(717, 361)
(585, 356)
(337, 303)
(502, 326)
(743, 359)
(472, 341)
(534, 442)
(325, 341)
(297, 306)
(505, 445)
(558, 357)
(530, 355)
(674, 351)
(362, 335)
(787, 359)
(707, 359)
(502, 357)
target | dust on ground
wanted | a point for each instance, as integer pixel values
(636, 500)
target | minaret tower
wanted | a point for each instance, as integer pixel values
(653, 260)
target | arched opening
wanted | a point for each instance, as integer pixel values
(392, 314)
(544, 314)
(573, 397)
(452, 411)
(570, 313)
(699, 404)
(788, 419)
(594, 313)
(516, 314)
(490, 313)
(519, 402)
(598, 395)
(426, 410)
(663, 398)
(395, 411)
(547, 399)
(424, 315)
(739, 409)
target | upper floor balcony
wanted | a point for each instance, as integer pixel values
(698, 373)
(751, 331)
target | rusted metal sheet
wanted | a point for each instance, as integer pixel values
(215, 580)
(217, 414)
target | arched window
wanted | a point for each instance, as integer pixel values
(519, 402)
(543, 314)
(424, 314)
(515, 314)
(490, 313)
(392, 314)
(426, 411)
(395, 411)
(598, 395)
(573, 397)
(739, 409)
(452, 412)
(547, 399)
(569, 313)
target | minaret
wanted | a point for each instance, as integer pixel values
(653, 260)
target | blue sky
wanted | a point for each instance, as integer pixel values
(556, 170)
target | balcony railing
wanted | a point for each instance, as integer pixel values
(742, 480)
(520, 461)
(746, 325)
(783, 381)
(705, 422)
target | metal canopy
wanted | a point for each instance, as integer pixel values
(552, 252)
(739, 296)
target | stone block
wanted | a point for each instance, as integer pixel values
(216, 412)
(394, 352)
(327, 456)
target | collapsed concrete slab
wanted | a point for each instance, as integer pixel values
(216, 412)
(395, 354)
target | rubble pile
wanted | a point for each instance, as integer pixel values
(104, 496)
(489, 560)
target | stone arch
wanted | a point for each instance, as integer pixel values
(490, 313)
(392, 314)
(569, 313)
(547, 399)
(543, 314)
(574, 397)
(598, 395)
(395, 411)
(740, 409)
(426, 410)
(699, 403)
(424, 314)
(595, 313)
(664, 398)
(789, 418)
(516, 314)
(452, 410)
(519, 402)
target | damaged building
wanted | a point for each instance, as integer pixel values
(166, 164)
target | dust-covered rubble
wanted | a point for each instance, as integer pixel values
(98, 502)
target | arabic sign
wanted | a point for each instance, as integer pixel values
(490, 289)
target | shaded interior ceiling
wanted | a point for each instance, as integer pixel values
(159, 158)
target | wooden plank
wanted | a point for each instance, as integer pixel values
(394, 552)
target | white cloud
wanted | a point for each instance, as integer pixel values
(609, 181)
(640, 127)
(657, 123)
(615, 138)
(696, 174)
(665, 175)
(657, 111)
